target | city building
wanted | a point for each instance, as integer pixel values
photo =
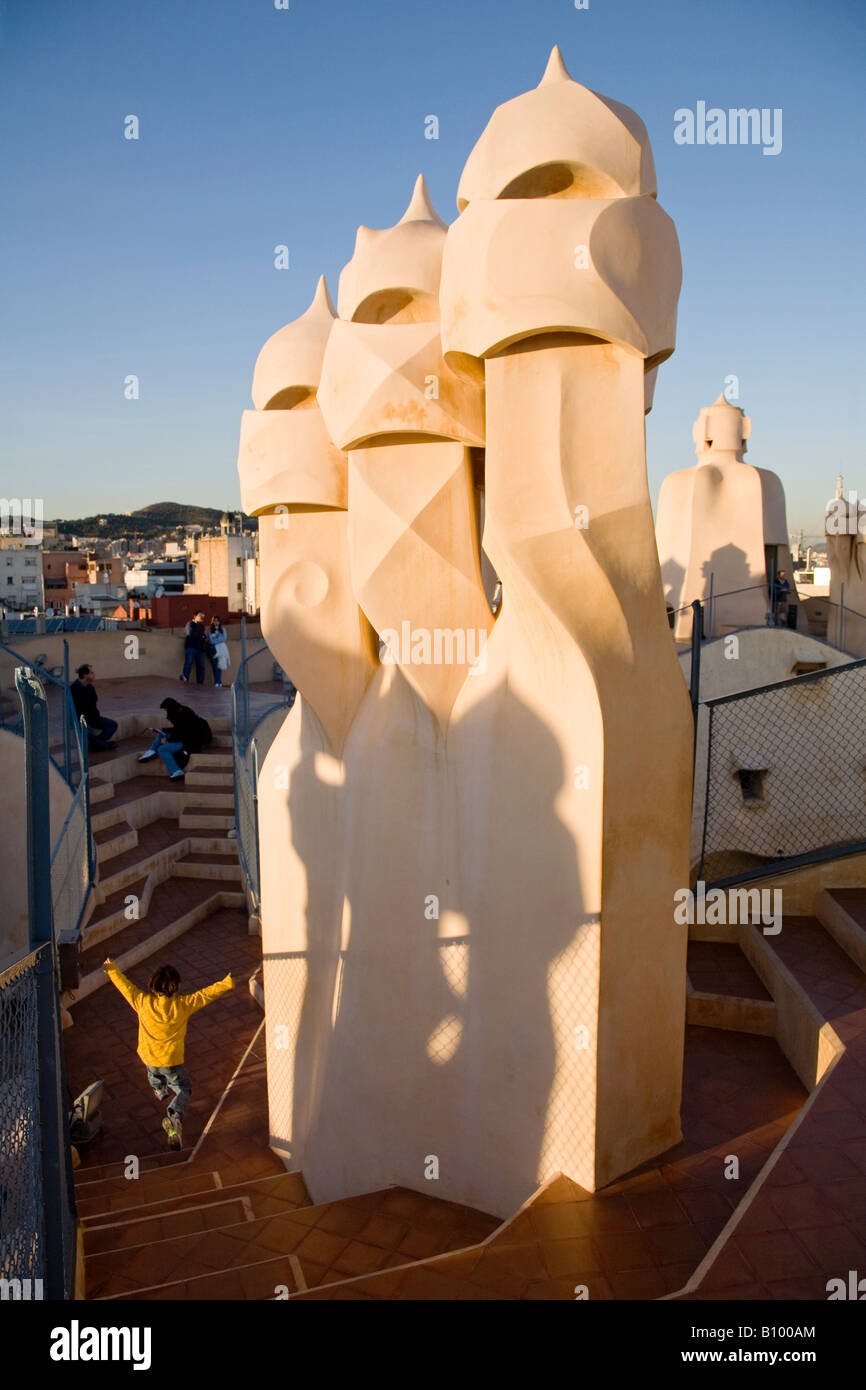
(150, 578)
(21, 585)
(68, 574)
(222, 567)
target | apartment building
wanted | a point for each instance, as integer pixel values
(21, 585)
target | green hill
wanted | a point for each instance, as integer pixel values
(157, 519)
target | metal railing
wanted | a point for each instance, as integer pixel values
(708, 604)
(73, 855)
(16, 626)
(37, 1201)
(22, 1254)
(836, 623)
(785, 778)
(248, 750)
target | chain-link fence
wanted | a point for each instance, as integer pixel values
(73, 857)
(785, 774)
(246, 779)
(253, 731)
(71, 869)
(21, 1230)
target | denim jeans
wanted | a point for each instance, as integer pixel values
(194, 655)
(166, 750)
(101, 731)
(165, 1079)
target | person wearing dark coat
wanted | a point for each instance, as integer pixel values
(99, 729)
(197, 647)
(186, 733)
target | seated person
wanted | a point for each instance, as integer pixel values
(83, 692)
(186, 733)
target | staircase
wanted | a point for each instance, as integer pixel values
(225, 1221)
(164, 858)
(803, 1223)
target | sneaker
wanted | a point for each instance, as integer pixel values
(185, 680)
(174, 1130)
(146, 757)
(173, 776)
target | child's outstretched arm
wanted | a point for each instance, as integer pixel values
(202, 997)
(131, 993)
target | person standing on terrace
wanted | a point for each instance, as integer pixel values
(197, 646)
(220, 659)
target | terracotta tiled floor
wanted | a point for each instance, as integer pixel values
(144, 696)
(807, 1224)
(151, 839)
(103, 1040)
(716, 967)
(854, 901)
(171, 899)
(642, 1237)
(331, 1242)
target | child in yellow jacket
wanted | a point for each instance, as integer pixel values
(163, 1015)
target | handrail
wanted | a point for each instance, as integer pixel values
(245, 757)
(70, 715)
(81, 852)
(820, 598)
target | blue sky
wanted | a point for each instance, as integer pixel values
(258, 127)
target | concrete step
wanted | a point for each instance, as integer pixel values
(200, 819)
(100, 791)
(202, 867)
(842, 913)
(210, 846)
(214, 780)
(814, 984)
(138, 868)
(723, 991)
(104, 820)
(151, 934)
(205, 1210)
(357, 1235)
(207, 762)
(176, 1177)
(108, 1199)
(259, 1282)
(87, 1174)
(203, 800)
(111, 916)
(114, 840)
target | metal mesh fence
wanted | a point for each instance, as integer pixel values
(253, 731)
(73, 859)
(64, 735)
(21, 1231)
(70, 869)
(785, 774)
(246, 820)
